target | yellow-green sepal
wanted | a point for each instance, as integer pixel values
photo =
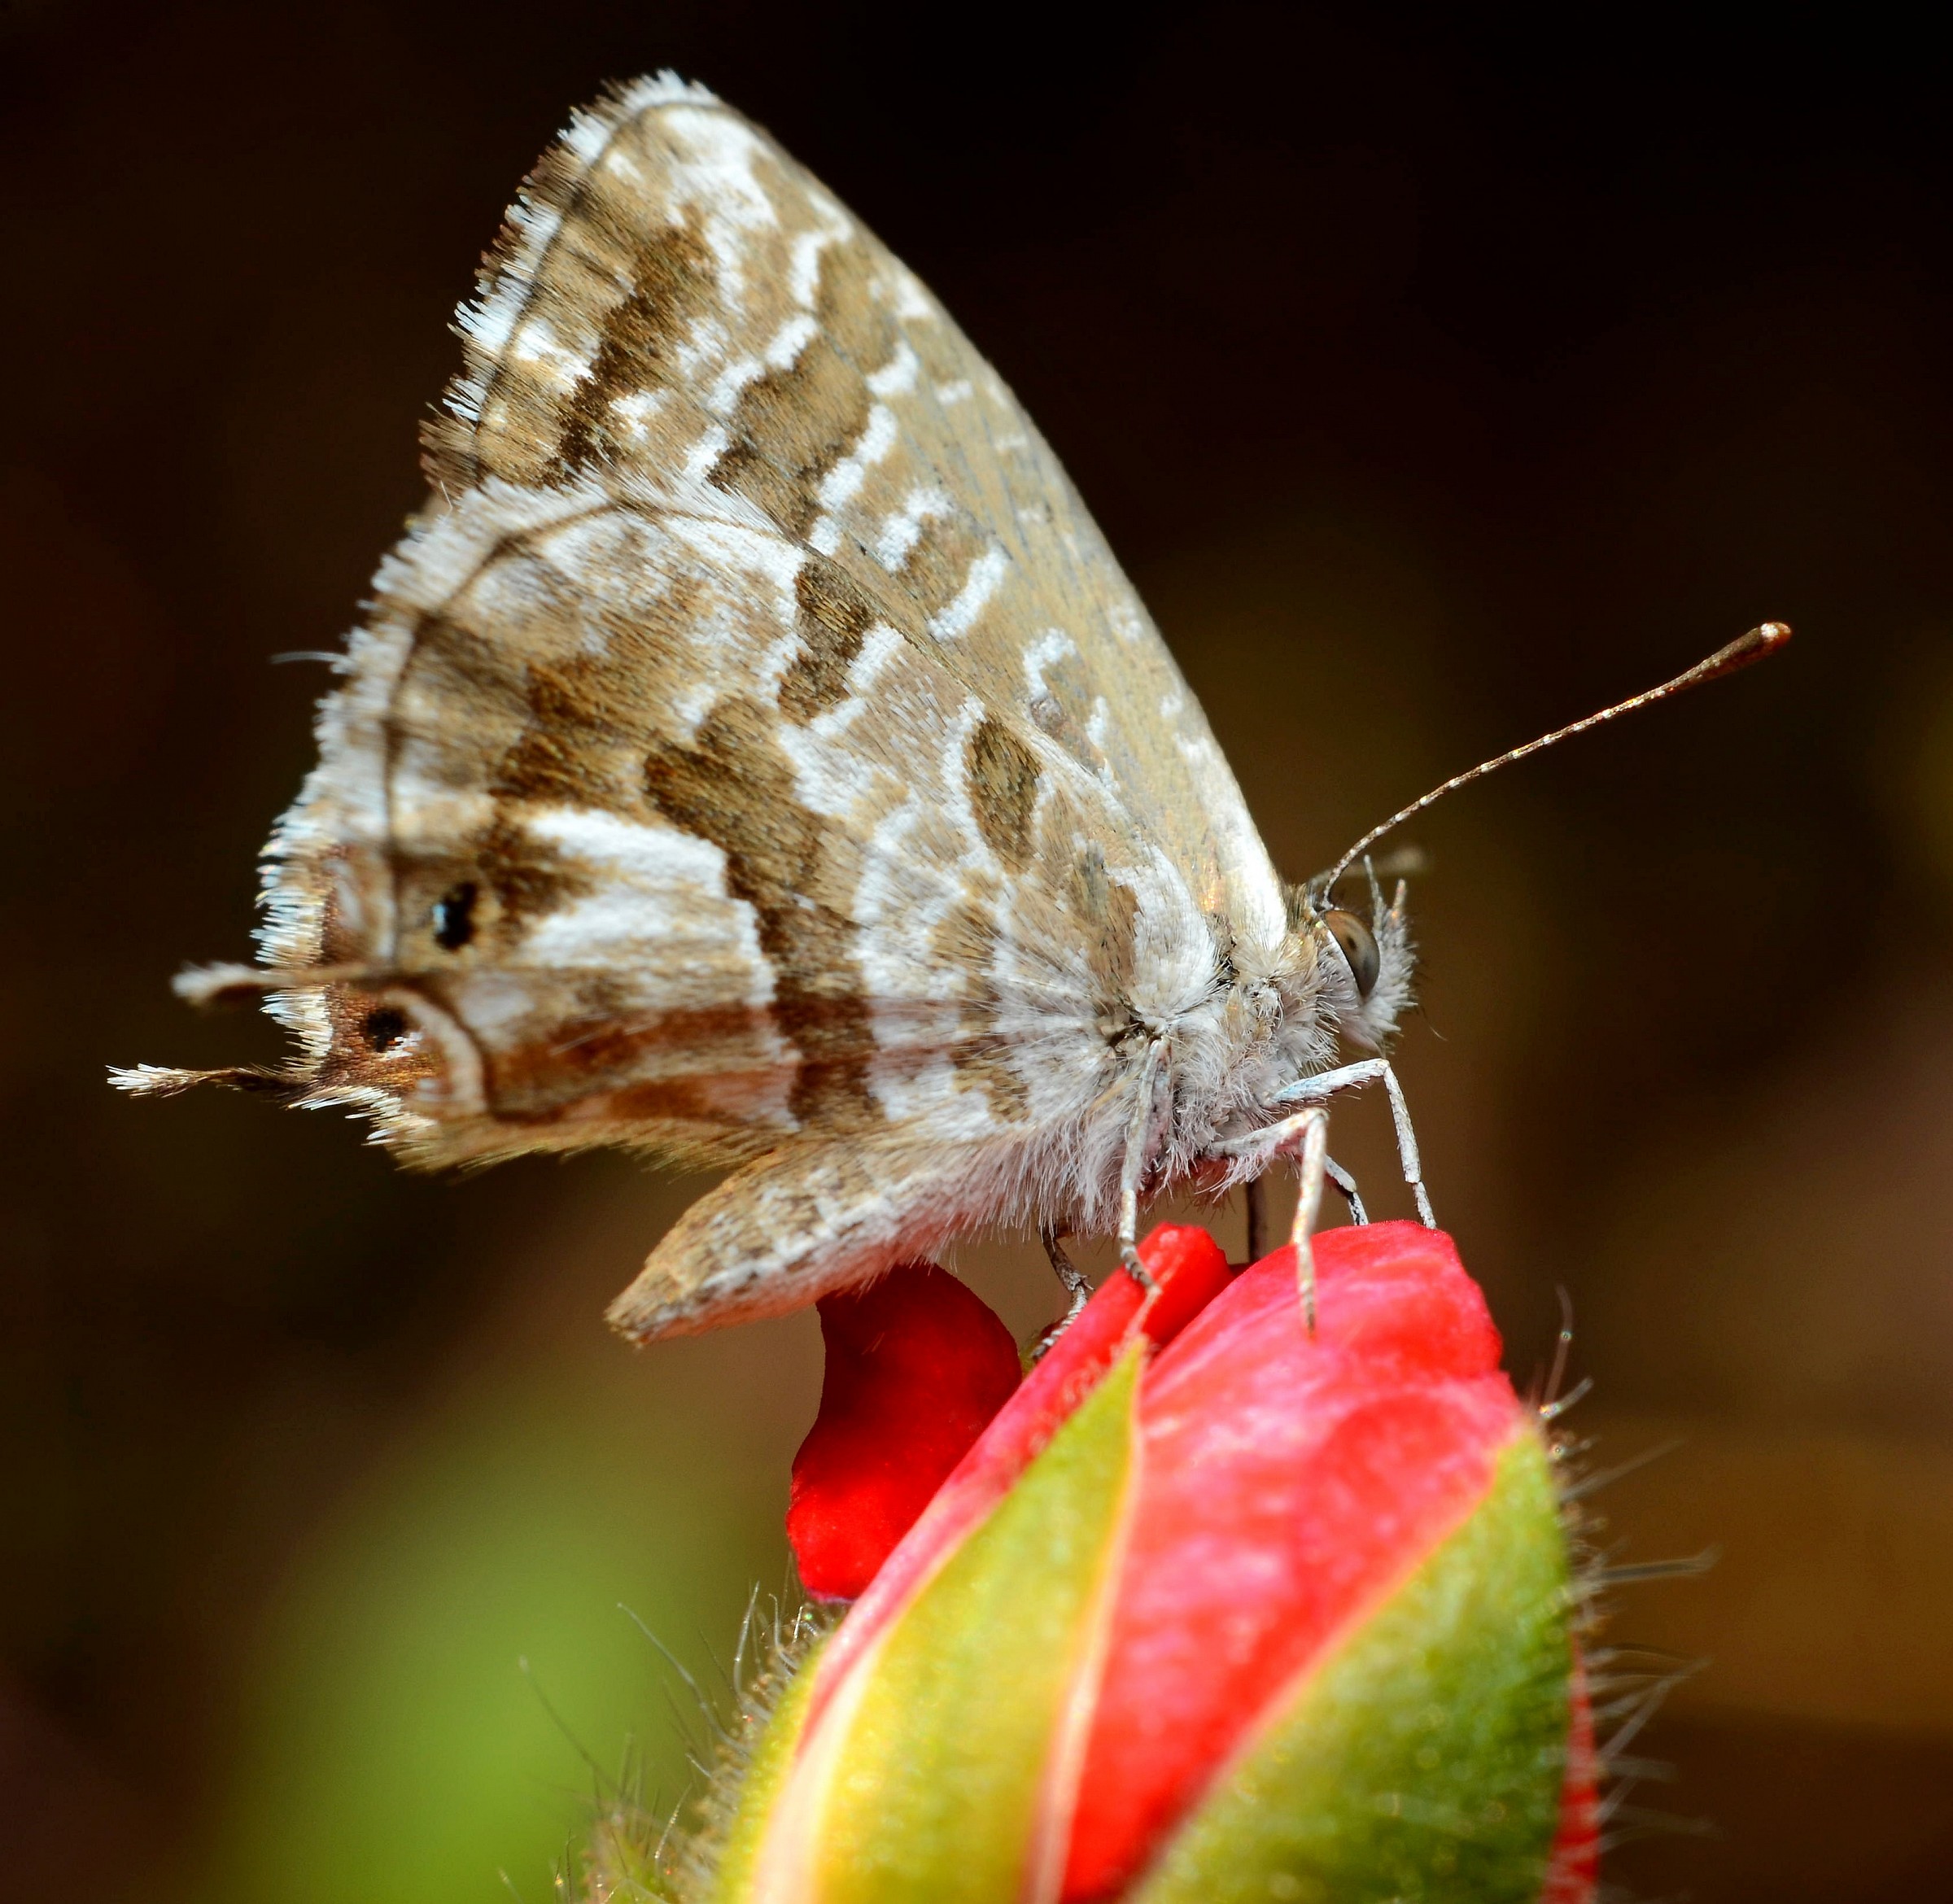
(767, 1765)
(1421, 1761)
(939, 1783)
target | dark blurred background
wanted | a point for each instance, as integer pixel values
(1438, 378)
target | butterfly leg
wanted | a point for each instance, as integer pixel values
(1311, 1170)
(1077, 1287)
(1255, 1192)
(1347, 1185)
(1325, 1084)
(1304, 1137)
(1068, 1274)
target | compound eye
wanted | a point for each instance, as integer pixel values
(1359, 947)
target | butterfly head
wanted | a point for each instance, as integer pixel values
(1364, 956)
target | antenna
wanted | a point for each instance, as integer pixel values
(1740, 653)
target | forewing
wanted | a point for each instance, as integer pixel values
(676, 296)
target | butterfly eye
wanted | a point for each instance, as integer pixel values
(1359, 948)
(384, 1027)
(454, 918)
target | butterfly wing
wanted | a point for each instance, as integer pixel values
(639, 822)
(756, 741)
(754, 753)
(675, 293)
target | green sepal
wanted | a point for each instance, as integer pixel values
(765, 1773)
(1421, 1762)
(935, 1787)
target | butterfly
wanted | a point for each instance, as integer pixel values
(754, 756)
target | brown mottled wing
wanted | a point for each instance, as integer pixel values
(656, 829)
(754, 742)
(675, 294)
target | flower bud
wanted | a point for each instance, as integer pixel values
(1212, 1608)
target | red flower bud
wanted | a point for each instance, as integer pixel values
(1212, 1608)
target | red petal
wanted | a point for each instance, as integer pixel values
(917, 1364)
(1573, 1873)
(1286, 1485)
(1190, 1269)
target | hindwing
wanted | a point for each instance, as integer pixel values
(660, 830)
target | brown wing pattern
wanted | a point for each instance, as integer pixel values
(755, 742)
(755, 754)
(675, 293)
(660, 831)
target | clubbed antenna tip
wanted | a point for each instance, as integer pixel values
(1766, 638)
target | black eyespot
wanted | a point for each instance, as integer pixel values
(386, 1025)
(1359, 947)
(454, 918)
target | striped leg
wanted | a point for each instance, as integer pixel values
(1325, 1084)
(1304, 1137)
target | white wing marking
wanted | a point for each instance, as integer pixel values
(980, 583)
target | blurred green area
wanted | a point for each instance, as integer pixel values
(447, 1682)
(1438, 380)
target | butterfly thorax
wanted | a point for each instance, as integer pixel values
(1263, 1030)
